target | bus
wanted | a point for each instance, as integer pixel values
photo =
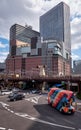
(62, 100)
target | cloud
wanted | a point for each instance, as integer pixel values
(4, 53)
(75, 57)
(4, 49)
(3, 56)
(2, 45)
(75, 7)
(29, 11)
(21, 12)
(76, 33)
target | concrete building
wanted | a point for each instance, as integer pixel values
(77, 67)
(25, 46)
(55, 29)
(52, 49)
(55, 25)
(21, 36)
(52, 58)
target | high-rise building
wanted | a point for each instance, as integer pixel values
(25, 46)
(21, 36)
(50, 48)
(55, 25)
(55, 28)
(77, 67)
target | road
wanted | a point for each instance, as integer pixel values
(33, 113)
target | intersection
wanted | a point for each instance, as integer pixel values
(34, 113)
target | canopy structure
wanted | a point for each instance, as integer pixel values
(57, 85)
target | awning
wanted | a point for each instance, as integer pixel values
(57, 85)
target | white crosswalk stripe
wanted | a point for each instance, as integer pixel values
(2, 128)
(33, 99)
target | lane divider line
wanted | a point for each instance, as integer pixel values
(24, 115)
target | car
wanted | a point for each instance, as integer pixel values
(16, 96)
(15, 90)
(5, 92)
(36, 91)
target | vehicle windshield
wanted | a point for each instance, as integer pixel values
(66, 104)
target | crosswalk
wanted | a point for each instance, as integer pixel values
(33, 99)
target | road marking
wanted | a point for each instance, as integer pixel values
(24, 115)
(42, 121)
(33, 99)
(10, 129)
(2, 128)
(4, 104)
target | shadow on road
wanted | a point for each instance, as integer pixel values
(48, 118)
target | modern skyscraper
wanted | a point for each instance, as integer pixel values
(27, 51)
(55, 25)
(21, 36)
(24, 48)
(55, 32)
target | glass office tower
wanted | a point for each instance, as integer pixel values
(55, 25)
(20, 35)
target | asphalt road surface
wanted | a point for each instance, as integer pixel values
(33, 113)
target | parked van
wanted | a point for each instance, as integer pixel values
(62, 100)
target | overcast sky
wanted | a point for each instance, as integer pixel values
(28, 12)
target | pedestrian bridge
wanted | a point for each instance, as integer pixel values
(68, 79)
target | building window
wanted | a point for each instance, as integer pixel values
(67, 56)
(13, 50)
(23, 64)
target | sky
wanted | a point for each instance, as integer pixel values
(28, 12)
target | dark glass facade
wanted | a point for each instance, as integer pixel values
(55, 24)
(21, 33)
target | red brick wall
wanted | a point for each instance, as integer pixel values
(13, 64)
(10, 65)
(58, 67)
(33, 62)
(18, 61)
(68, 71)
(55, 65)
